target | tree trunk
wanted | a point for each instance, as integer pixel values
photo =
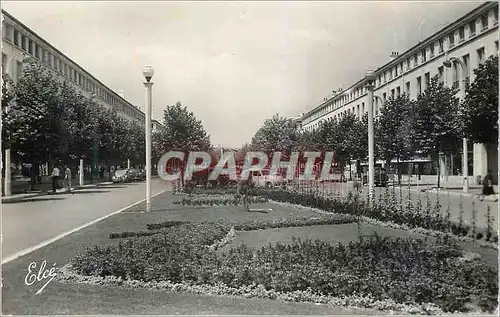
(350, 171)
(182, 173)
(399, 173)
(109, 172)
(439, 174)
(33, 175)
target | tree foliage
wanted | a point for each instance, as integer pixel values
(480, 106)
(276, 134)
(36, 128)
(346, 137)
(436, 122)
(46, 120)
(181, 131)
(394, 129)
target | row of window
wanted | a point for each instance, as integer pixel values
(439, 46)
(63, 68)
(359, 110)
(412, 62)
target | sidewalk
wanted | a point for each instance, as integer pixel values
(18, 197)
(453, 188)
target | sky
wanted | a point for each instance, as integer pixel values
(233, 64)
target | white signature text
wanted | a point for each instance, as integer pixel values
(42, 275)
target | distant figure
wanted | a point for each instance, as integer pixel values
(488, 184)
(101, 172)
(244, 191)
(67, 180)
(55, 179)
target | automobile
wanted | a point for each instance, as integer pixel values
(141, 175)
(138, 174)
(121, 176)
(134, 174)
(264, 178)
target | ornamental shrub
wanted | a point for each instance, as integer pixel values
(404, 270)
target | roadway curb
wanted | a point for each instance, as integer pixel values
(38, 194)
(491, 198)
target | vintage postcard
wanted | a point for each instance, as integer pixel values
(249, 158)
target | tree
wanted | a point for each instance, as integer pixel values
(347, 138)
(112, 137)
(136, 140)
(36, 119)
(81, 122)
(393, 134)
(350, 139)
(436, 121)
(7, 124)
(276, 134)
(480, 105)
(181, 131)
(359, 140)
(45, 120)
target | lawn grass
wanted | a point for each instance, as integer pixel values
(341, 233)
(81, 299)
(60, 298)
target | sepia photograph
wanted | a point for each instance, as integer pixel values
(249, 158)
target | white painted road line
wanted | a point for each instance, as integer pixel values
(49, 241)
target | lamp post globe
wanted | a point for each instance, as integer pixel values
(370, 76)
(148, 73)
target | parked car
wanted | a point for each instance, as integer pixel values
(121, 176)
(264, 178)
(134, 174)
(141, 175)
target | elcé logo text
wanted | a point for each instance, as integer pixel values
(41, 276)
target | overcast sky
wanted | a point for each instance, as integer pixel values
(233, 64)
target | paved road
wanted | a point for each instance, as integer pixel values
(30, 222)
(452, 200)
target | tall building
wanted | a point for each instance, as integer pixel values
(472, 39)
(21, 43)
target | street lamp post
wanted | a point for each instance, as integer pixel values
(369, 83)
(465, 159)
(95, 152)
(148, 73)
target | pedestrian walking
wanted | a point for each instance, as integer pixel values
(67, 180)
(488, 184)
(55, 178)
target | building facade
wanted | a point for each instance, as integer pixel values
(20, 43)
(472, 39)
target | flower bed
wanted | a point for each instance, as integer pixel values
(385, 210)
(151, 230)
(206, 191)
(67, 275)
(385, 224)
(231, 201)
(293, 221)
(404, 272)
